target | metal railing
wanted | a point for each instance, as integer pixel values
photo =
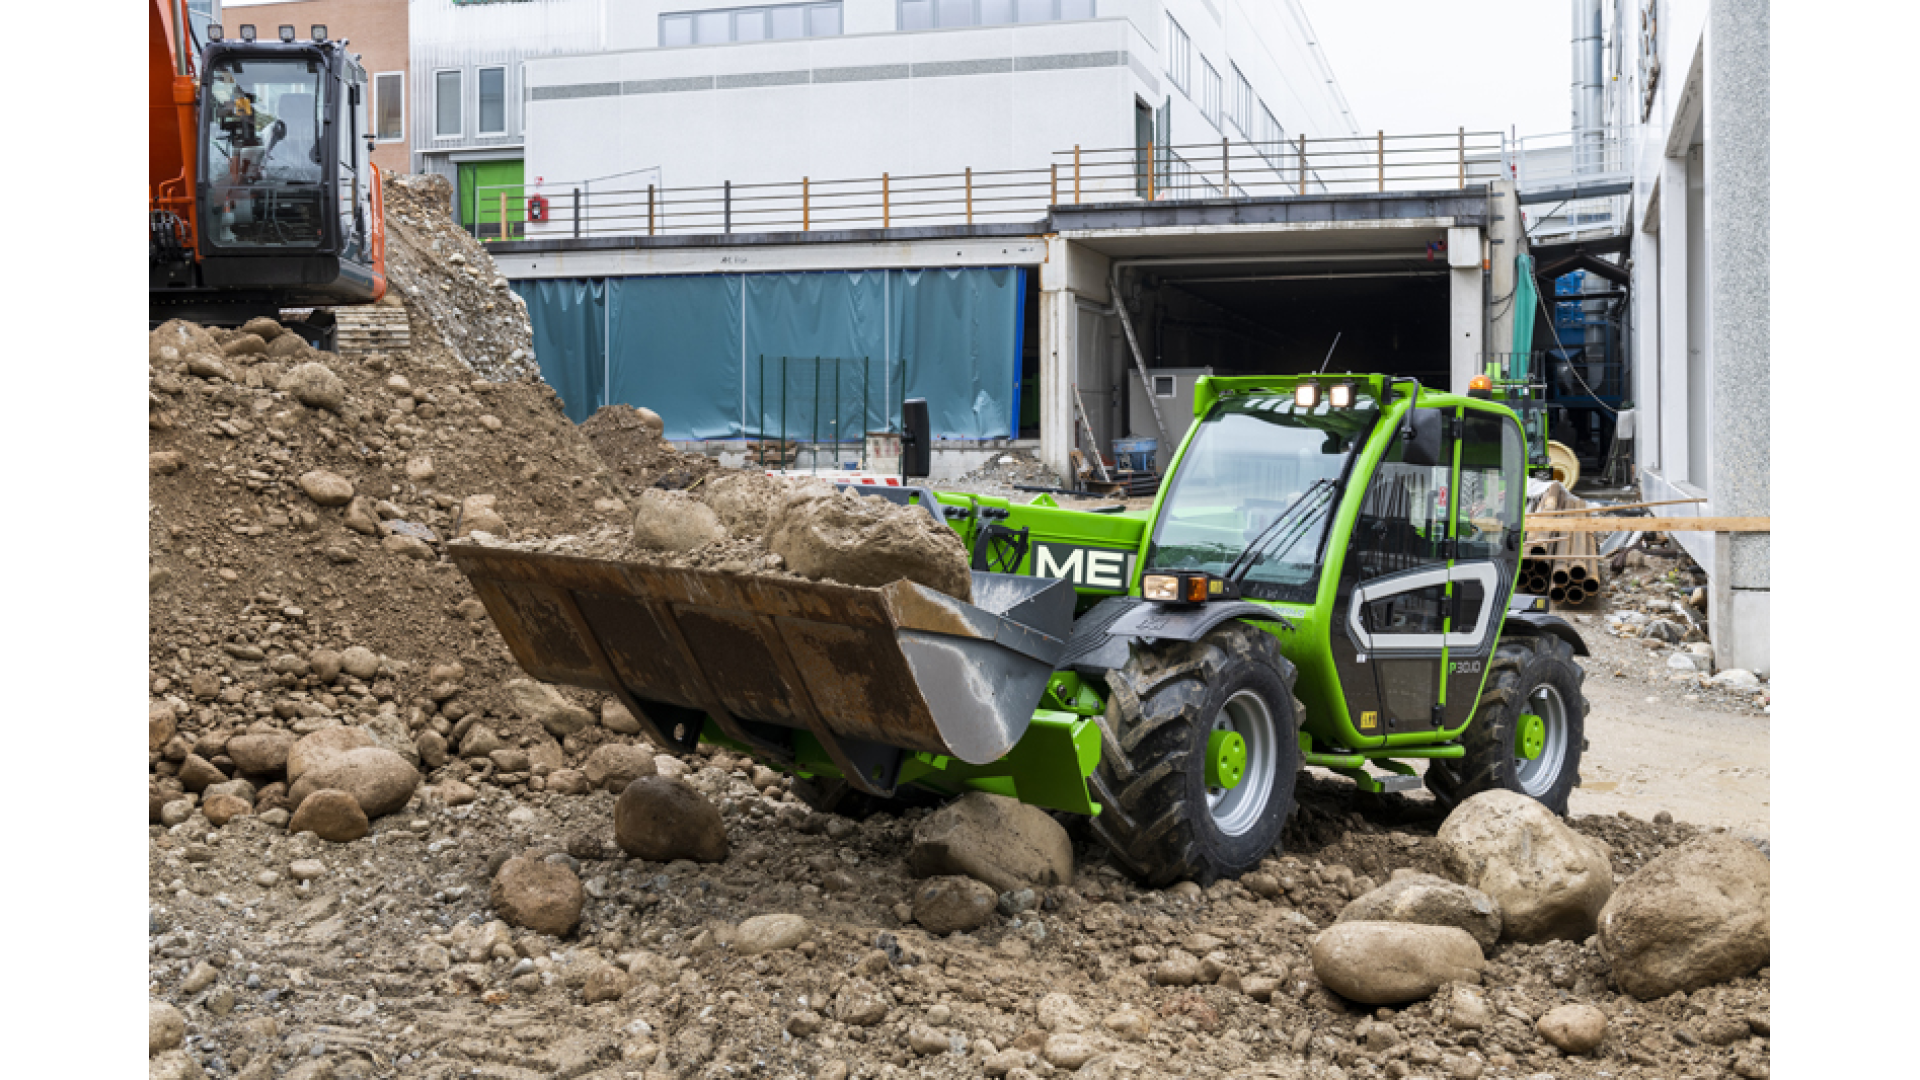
(1298, 166)
(1563, 159)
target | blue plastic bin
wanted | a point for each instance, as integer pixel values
(1135, 454)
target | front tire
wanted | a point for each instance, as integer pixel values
(1160, 818)
(1528, 677)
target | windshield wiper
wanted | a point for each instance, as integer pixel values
(1294, 519)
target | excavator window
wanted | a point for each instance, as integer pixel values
(264, 153)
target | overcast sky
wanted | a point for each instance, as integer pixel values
(1420, 66)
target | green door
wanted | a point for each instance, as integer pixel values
(480, 187)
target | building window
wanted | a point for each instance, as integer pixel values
(1271, 136)
(782, 22)
(390, 106)
(446, 104)
(1210, 93)
(1240, 103)
(493, 101)
(1179, 57)
(943, 14)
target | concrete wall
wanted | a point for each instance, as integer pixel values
(1701, 300)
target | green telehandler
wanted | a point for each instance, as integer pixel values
(1327, 577)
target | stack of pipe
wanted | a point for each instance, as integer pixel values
(1562, 566)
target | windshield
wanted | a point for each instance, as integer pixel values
(1252, 459)
(264, 152)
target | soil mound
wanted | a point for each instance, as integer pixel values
(458, 305)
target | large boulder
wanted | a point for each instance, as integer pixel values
(1388, 963)
(263, 754)
(767, 933)
(162, 725)
(1695, 915)
(674, 521)
(856, 540)
(545, 706)
(612, 766)
(952, 904)
(540, 896)
(1003, 842)
(322, 746)
(1549, 881)
(379, 780)
(1431, 901)
(315, 386)
(331, 815)
(166, 1028)
(661, 819)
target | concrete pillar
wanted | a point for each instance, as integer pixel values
(1070, 274)
(1468, 306)
(1646, 345)
(1673, 319)
(1504, 239)
(1056, 380)
(1735, 117)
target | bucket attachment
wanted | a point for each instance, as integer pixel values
(870, 674)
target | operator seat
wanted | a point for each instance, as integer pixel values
(298, 155)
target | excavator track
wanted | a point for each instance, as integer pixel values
(370, 330)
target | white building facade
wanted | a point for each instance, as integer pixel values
(1695, 74)
(616, 94)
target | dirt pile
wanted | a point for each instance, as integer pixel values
(690, 513)
(459, 307)
(298, 504)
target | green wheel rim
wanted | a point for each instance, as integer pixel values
(1543, 729)
(1226, 760)
(1531, 738)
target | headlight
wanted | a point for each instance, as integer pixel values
(1179, 588)
(1340, 395)
(1306, 395)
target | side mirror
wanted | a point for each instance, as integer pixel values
(1425, 444)
(916, 439)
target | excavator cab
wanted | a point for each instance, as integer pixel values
(285, 206)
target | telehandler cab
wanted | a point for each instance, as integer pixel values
(1326, 578)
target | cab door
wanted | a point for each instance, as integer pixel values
(1491, 487)
(1389, 641)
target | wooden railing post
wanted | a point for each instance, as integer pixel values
(1076, 172)
(1380, 157)
(1053, 184)
(649, 209)
(969, 194)
(1303, 164)
(886, 202)
(504, 232)
(806, 205)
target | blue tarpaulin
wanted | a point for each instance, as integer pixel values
(707, 352)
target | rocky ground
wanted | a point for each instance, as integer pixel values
(514, 885)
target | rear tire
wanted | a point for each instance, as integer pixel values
(1530, 675)
(1158, 817)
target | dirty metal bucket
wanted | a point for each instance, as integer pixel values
(867, 672)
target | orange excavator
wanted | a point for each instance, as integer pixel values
(261, 194)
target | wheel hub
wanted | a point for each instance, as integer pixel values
(1242, 756)
(1226, 760)
(1531, 738)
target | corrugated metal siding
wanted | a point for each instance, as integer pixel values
(445, 35)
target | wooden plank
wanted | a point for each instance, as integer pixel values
(1650, 524)
(1624, 506)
